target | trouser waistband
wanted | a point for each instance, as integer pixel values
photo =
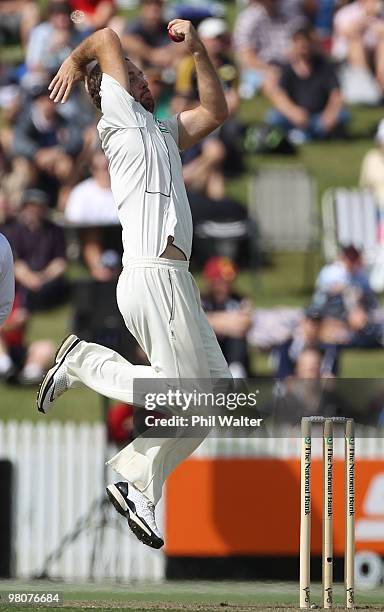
(156, 262)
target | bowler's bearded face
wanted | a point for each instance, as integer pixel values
(138, 87)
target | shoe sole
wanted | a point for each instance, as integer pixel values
(65, 347)
(137, 525)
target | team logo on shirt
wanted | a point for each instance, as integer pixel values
(162, 127)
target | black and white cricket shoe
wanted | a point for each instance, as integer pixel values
(55, 382)
(138, 510)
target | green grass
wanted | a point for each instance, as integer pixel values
(196, 595)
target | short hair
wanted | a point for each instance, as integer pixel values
(351, 253)
(93, 82)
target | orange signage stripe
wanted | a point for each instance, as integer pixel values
(231, 506)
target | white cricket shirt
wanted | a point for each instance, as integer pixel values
(7, 279)
(146, 174)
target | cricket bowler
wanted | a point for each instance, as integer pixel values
(156, 293)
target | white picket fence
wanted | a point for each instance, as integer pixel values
(59, 490)
(60, 503)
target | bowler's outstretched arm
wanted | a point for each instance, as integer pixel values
(104, 46)
(197, 123)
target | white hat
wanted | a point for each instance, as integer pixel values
(212, 27)
(380, 132)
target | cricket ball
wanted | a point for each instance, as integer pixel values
(175, 37)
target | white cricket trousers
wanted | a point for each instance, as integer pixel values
(161, 307)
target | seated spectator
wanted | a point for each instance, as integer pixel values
(52, 41)
(91, 204)
(17, 18)
(18, 361)
(372, 168)
(206, 164)
(39, 250)
(7, 279)
(307, 99)
(215, 37)
(345, 276)
(91, 15)
(146, 40)
(261, 38)
(359, 41)
(347, 303)
(48, 141)
(307, 393)
(221, 228)
(228, 313)
(288, 356)
(120, 424)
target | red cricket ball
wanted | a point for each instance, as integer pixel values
(175, 37)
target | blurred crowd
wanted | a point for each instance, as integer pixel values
(309, 58)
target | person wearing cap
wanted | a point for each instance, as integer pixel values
(372, 168)
(307, 99)
(40, 256)
(229, 314)
(156, 293)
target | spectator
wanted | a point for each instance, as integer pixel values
(17, 18)
(146, 39)
(347, 278)
(359, 41)
(51, 41)
(206, 164)
(288, 356)
(19, 362)
(7, 279)
(91, 204)
(120, 424)
(348, 303)
(49, 142)
(91, 15)
(372, 168)
(228, 313)
(308, 102)
(306, 393)
(39, 250)
(261, 38)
